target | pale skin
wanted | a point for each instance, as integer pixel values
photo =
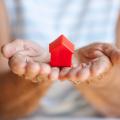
(95, 72)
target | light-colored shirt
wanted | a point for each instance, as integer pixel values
(82, 21)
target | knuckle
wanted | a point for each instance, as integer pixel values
(4, 50)
(16, 66)
(33, 67)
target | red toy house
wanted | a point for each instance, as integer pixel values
(61, 52)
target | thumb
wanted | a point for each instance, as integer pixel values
(9, 49)
(112, 52)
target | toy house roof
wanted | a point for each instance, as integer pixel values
(61, 40)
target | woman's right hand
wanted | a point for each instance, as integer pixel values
(29, 60)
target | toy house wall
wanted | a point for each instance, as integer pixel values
(61, 57)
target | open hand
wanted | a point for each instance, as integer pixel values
(29, 60)
(92, 63)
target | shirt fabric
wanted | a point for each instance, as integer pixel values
(82, 21)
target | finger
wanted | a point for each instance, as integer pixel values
(44, 72)
(54, 73)
(29, 48)
(111, 51)
(10, 49)
(18, 64)
(99, 66)
(45, 69)
(32, 70)
(73, 72)
(115, 56)
(91, 51)
(83, 74)
(92, 70)
(100, 49)
(64, 72)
